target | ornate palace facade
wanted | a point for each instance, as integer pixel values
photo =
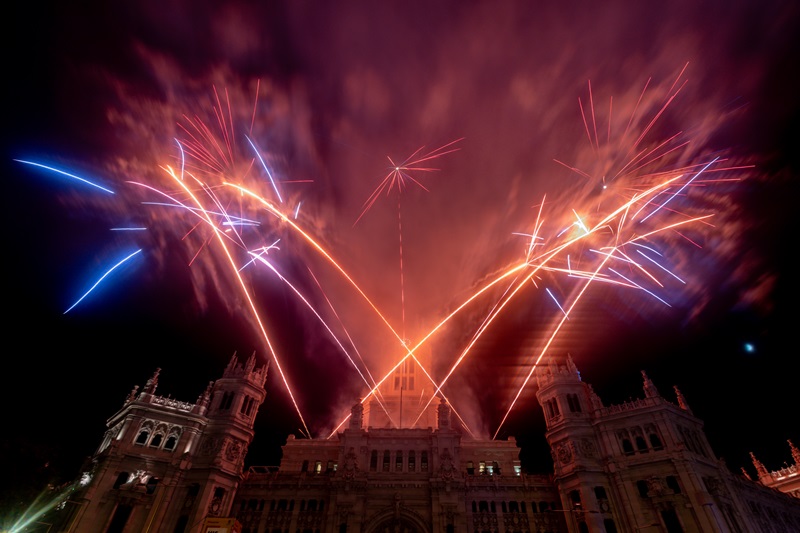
(645, 465)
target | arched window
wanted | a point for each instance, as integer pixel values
(386, 460)
(304, 466)
(574, 403)
(412, 461)
(627, 447)
(226, 401)
(171, 442)
(373, 461)
(575, 498)
(543, 507)
(641, 485)
(423, 461)
(143, 436)
(655, 442)
(156, 441)
(398, 461)
(470, 468)
(641, 445)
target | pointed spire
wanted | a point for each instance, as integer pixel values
(650, 390)
(795, 453)
(251, 363)
(681, 400)
(746, 475)
(132, 395)
(204, 399)
(571, 366)
(232, 363)
(760, 468)
(152, 383)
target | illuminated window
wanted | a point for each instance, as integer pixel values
(575, 498)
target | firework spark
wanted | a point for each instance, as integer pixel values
(223, 201)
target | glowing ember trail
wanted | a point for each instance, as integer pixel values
(224, 202)
(397, 178)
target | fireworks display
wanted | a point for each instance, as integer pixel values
(487, 205)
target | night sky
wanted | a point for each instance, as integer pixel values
(573, 105)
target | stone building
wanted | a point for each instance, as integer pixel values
(165, 464)
(644, 465)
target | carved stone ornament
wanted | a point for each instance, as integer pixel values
(234, 451)
(350, 464)
(564, 454)
(588, 448)
(446, 468)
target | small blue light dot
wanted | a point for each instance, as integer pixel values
(749, 347)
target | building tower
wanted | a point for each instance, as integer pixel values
(568, 403)
(642, 464)
(166, 465)
(406, 399)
